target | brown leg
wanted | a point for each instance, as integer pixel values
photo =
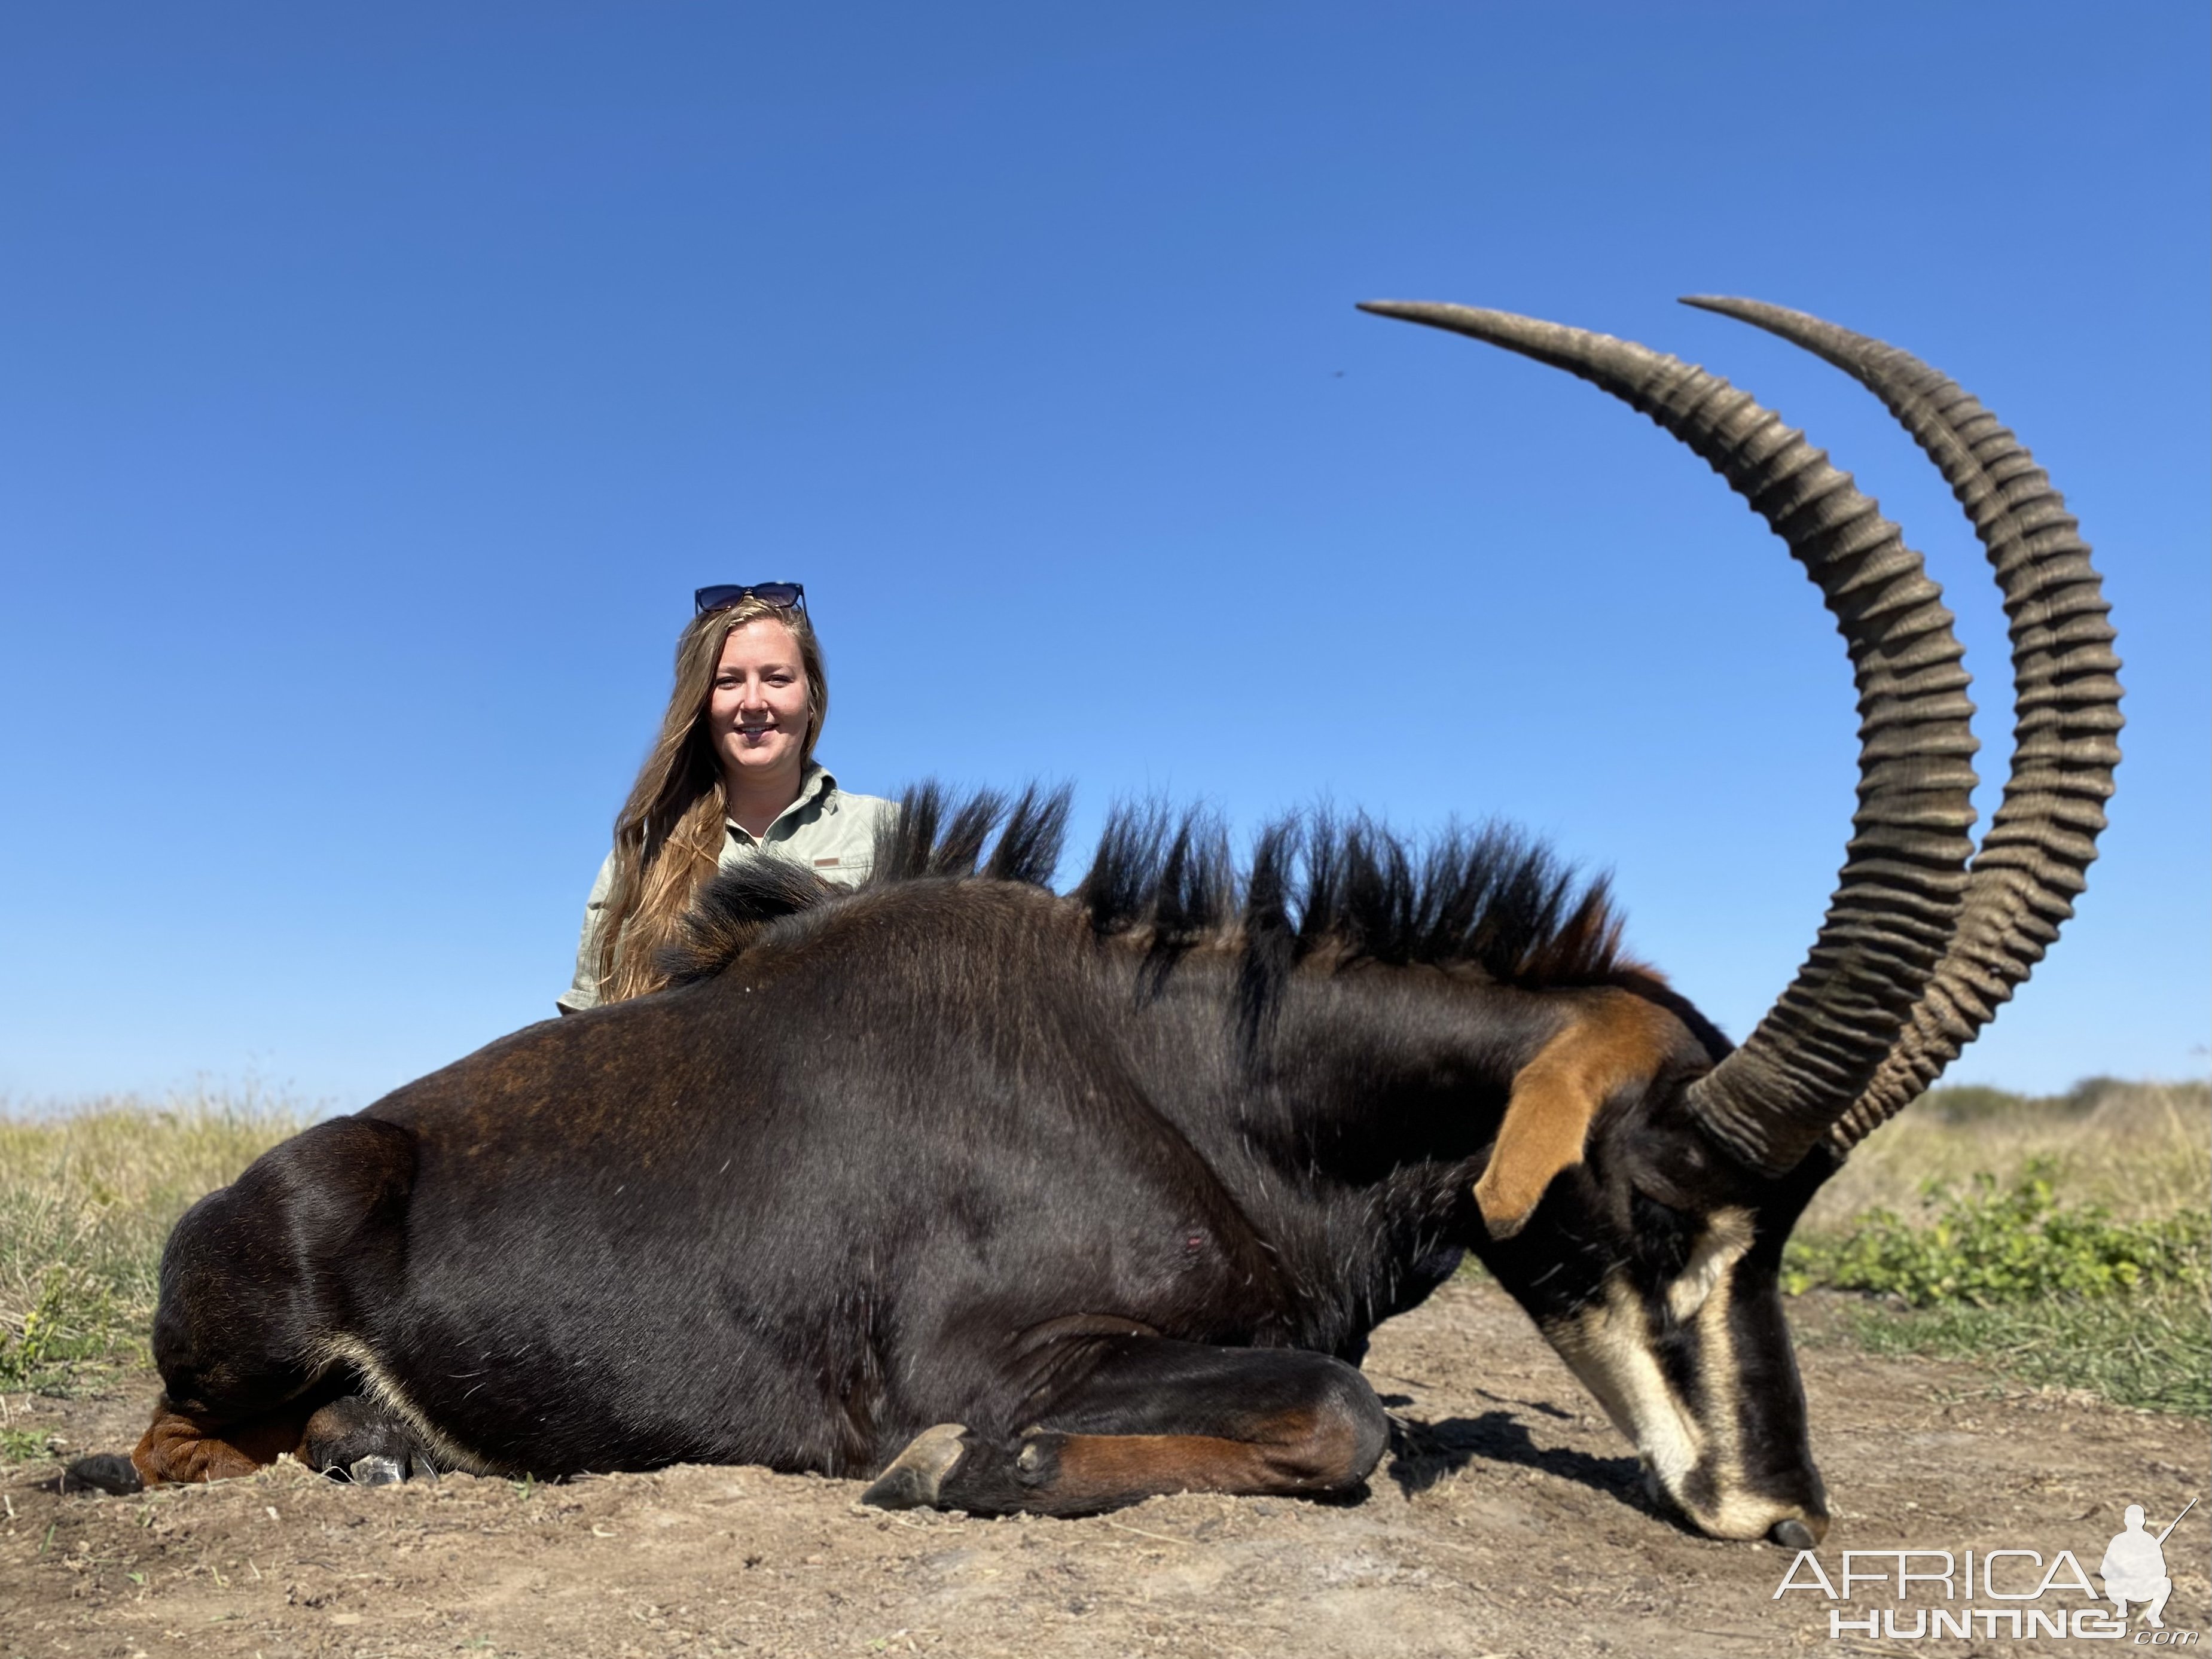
(1307, 1452)
(184, 1449)
(1157, 1416)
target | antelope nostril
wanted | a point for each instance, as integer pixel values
(1795, 1535)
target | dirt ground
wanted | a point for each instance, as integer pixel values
(1507, 1520)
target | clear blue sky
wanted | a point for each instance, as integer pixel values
(378, 381)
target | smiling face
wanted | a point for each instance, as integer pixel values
(757, 711)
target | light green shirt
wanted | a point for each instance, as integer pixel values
(831, 832)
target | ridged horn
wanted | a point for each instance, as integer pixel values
(2066, 695)
(1897, 896)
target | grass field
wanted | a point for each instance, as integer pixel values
(2063, 1241)
(87, 1196)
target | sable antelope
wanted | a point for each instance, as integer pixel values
(1021, 1201)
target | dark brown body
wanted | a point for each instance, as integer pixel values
(942, 1152)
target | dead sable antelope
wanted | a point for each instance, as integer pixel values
(1022, 1201)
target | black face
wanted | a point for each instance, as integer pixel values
(1653, 1267)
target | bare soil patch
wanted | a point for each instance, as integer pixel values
(1508, 1519)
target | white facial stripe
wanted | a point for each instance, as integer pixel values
(1609, 1347)
(1736, 1511)
(1726, 1238)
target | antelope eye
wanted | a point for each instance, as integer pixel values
(1655, 1213)
(1663, 1234)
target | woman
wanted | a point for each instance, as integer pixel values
(732, 777)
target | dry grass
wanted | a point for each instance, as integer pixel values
(2141, 1150)
(88, 1196)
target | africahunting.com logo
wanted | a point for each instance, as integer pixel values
(1942, 1593)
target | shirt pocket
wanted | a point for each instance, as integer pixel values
(846, 870)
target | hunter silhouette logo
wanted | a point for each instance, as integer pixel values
(2133, 1568)
(2028, 1590)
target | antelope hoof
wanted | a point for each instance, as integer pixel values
(917, 1474)
(107, 1471)
(375, 1471)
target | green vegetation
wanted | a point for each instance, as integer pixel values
(22, 1445)
(87, 1198)
(1990, 1244)
(2064, 1241)
(2149, 1349)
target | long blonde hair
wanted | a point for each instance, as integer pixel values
(669, 834)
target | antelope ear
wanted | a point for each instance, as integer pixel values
(1613, 1039)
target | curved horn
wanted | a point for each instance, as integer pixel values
(2066, 697)
(1897, 896)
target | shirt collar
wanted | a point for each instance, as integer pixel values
(815, 784)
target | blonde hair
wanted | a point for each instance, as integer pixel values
(669, 834)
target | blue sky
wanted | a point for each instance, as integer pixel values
(380, 380)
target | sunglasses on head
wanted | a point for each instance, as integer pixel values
(784, 595)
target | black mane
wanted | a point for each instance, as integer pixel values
(1344, 887)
